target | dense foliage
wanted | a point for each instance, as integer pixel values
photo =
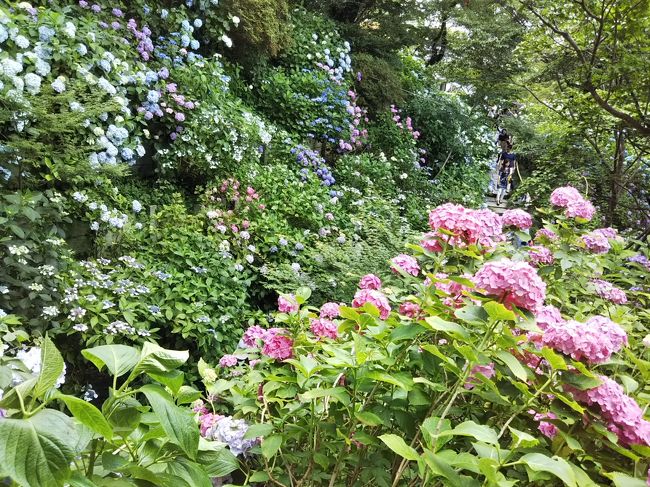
(172, 173)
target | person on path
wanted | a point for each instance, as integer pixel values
(505, 170)
(503, 139)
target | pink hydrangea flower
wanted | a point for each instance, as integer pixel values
(207, 421)
(596, 242)
(546, 234)
(370, 281)
(608, 232)
(512, 283)
(620, 411)
(564, 196)
(278, 346)
(252, 335)
(607, 290)
(455, 290)
(580, 209)
(517, 218)
(407, 263)
(288, 304)
(431, 243)
(547, 429)
(228, 361)
(576, 206)
(410, 309)
(469, 227)
(594, 341)
(324, 328)
(540, 255)
(548, 315)
(485, 370)
(373, 297)
(330, 310)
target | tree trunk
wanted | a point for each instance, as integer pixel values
(616, 176)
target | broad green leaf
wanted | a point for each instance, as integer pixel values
(438, 324)
(366, 417)
(172, 379)
(38, 451)
(257, 430)
(88, 415)
(513, 364)
(521, 439)
(397, 379)
(303, 294)
(624, 480)
(124, 415)
(339, 393)
(471, 314)
(259, 477)
(349, 313)
(221, 463)
(191, 472)
(498, 311)
(406, 332)
(177, 422)
(556, 466)
(187, 395)
(155, 359)
(556, 361)
(118, 359)
(51, 368)
(479, 431)
(271, 445)
(399, 446)
(581, 382)
(79, 480)
(441, 468)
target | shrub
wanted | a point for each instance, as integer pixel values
(458, 374)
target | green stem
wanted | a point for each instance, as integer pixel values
(525, 406)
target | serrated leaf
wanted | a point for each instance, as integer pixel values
(178, 423)
(366, 417)
(498, 311)
(118, 359)
(88, 415)
(38, 451)
(271, 445)
(257, 430)
(438, 324)
(51, 368)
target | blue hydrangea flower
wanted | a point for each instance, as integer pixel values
(45, 33)
(198, 23)
(194, 44)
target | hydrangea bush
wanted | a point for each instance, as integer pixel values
(470, 364)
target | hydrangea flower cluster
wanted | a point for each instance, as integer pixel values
(455, 292)
(623, 415)
(607, 290)
(517, 218)
(545, 235)
(324, 328)
(410, 309)
(571, 200)
(540, 255)
(309, 158)
(274, 342)
(405, 263)
(330, 310)
(483, 227)
(640, 259)
(513, 283)
(288, 304)
(230, 431)
(594, 341)
(370, 281)
(596, 242)
(547, 429)
(406, 125)
(358, 135)
(374, 297)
